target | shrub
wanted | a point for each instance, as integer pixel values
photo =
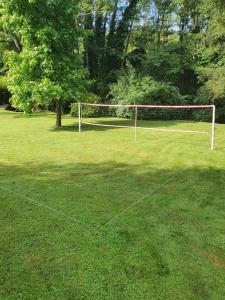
(3, 83)
(4, 93)
(213, 90)
(202, 115)
(220, 115)
(86, 111)
(8, 107)
(133, 89)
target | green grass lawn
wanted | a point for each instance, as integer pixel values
(66, 232)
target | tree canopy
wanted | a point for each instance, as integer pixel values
(46, 65)
(66, 50)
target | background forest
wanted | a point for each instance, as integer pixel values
(138, 51)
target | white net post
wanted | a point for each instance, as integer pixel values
(135, 124)
(161, 118)
(79, 116)
(213, 127)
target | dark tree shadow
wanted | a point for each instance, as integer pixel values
(98, 125)
(112, 124)
(201, 142)
(119, 183)
(112, 222)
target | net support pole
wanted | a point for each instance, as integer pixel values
(213, 127)
(79, 115)
(135, 124)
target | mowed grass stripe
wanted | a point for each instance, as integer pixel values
(170, 246)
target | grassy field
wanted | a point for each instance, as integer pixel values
(98, 216)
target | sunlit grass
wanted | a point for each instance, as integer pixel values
(170, 245)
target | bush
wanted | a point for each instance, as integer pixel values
(220, 115)
(213, 90)
(133, 89)
(3, 83)
(205, 96)
(4, 93)
(86, 111)
(8, 107)
(202, 115)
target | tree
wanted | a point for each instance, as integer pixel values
(132, 88)
(109, 25)
(178, 43)
(210, 57)
(46, 66)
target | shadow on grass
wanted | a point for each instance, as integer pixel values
(154, 241)
(98, 124)
(115, 186)
(17, 114)
(72, 128)
(113, 123)
(41, 114)
(35, 115)
(7, 113)
(204, 141)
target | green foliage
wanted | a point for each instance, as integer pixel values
(213, 89)
(209, 51)
(202, 115)
(170, 246)
(4, 93)
(134, 89)
(109, 26)
(48, 66)
(170, 63)
(86, 111)
(172, 45)
(3, 83)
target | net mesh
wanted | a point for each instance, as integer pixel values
(196, 119)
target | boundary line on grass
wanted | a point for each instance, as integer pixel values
(140, 200)
(40, 204)
(174, 175)
(111, 220)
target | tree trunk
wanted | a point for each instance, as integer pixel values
(58, 114)
(16, 44)
(117, 37)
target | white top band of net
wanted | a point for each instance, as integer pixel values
(148, 106)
